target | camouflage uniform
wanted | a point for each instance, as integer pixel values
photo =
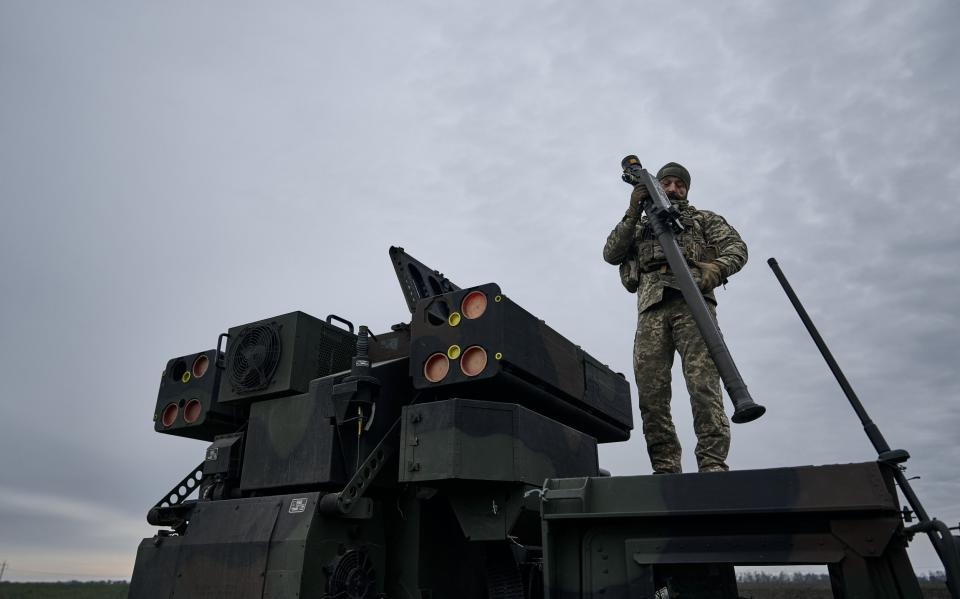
(665, 325)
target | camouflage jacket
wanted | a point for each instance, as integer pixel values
(707, 237)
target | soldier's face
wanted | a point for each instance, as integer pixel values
(674, 187)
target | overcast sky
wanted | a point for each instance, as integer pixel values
(173, 169)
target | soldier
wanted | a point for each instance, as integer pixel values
(714, 251)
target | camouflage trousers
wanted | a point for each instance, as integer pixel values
(662, 330)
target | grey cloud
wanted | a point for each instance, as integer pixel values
(170, 171)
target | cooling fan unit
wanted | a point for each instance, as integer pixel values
(352, 576)
(279, 356)
(254, 357)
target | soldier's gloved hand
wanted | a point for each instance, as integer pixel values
(710, 275)
(637, 198)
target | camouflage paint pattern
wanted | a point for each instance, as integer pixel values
(661, 331)
(665, 326)
(571, 387)
(270, 547)
(707, 237)
(466, 439)
(455, 511)
(630, 536)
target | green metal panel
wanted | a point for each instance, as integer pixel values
(493, 441)
(629, 536)
(846, 487)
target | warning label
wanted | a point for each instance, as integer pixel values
(298, 505)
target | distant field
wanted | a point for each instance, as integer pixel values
(63, 590)
(772, 590)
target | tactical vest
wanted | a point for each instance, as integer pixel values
(648, 255)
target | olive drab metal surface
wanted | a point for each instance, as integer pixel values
(623, 529)
(455, 456)
(488, 440)
(280, 356)
(187, 403)
(489, 346)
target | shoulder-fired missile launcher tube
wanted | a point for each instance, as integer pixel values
(663, 219)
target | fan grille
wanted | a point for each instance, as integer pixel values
(336, 349)
(353, 576)
(254, 357)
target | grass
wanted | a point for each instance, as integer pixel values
(63, 590)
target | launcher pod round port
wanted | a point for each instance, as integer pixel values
(474, 305)
(436, 367)
(473, 360)
(192, 411)
(454, 319)
(169, 415)
(177, 370)
(200, 366)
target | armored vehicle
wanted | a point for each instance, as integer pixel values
(456, 456)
